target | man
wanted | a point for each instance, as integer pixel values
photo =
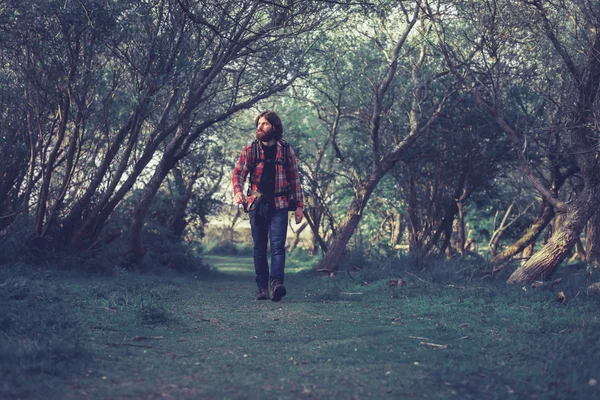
(274, 184)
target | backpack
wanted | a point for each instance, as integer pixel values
(255, 151)
(285, 148)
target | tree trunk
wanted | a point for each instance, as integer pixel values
(548, 258)
(414, 227)
(297, 234)
(592, 240)
(64, 109)
(183, 195)
(141, 209)
(396, 222)
(497, 234)
(83, 221)
(579, 253)
(529, 238)
(317, 240)
(528, 251)
(462, 238)
(349, 224)
(446, 225)
(314, 227)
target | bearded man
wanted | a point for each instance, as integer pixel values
(274, 190)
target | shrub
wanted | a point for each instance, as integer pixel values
(226, 247)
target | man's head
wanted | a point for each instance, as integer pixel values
(268, 126)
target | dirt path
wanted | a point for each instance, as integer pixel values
(183, 338)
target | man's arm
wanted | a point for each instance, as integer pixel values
(295, 186)
(240, 173)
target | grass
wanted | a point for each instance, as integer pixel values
(133, 336)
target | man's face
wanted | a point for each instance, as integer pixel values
(264, 130)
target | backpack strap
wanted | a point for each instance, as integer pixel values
(255, 154)
(285, 150)
(255, 159)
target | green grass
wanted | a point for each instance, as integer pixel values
(133, 336)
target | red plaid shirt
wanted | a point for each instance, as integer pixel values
(284, 178)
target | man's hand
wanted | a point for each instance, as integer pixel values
(239, 198)
(299, 215)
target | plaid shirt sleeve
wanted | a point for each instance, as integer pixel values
(241, 171)
(293, 178)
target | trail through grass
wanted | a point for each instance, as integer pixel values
(134, 336)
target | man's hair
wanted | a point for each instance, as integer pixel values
(274, 120)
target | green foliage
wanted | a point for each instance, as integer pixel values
(226, 247)
(300, 258)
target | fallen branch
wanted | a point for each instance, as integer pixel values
(137, 338)
(437, 346)
(129, 345)
(410, 273)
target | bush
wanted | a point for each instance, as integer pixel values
(226, 248)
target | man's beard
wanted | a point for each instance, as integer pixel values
(265, 137)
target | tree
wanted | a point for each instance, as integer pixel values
(247, 33)
(495, 59)
(114, 92)
(380, 121)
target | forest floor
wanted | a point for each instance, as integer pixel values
(140, 336)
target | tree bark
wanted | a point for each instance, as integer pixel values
(183, 195)
(527, 251)
(579, 253)
(592, 240)
(348, 226)
(413, 224)
(462, 238)
(547, 259)
(396, 234)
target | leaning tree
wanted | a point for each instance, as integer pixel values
(390, 46)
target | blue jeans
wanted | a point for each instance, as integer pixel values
(268, 224)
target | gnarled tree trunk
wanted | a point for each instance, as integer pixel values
(348, 226)
(547, 259)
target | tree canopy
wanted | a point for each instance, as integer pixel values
(435, 127)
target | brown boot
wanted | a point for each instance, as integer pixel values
(277, 290)
(262, 294)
